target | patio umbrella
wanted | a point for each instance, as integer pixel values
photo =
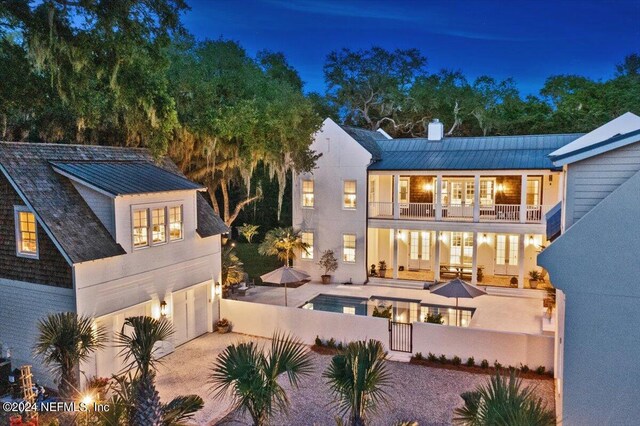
(457, 288)
(285, 275)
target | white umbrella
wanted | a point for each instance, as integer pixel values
(457, 288)
(285, 275)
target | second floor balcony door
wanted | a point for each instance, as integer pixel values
(506, 254)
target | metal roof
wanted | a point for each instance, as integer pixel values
(125, 177)
(473, 153)
(615, 141)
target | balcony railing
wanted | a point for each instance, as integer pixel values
(381, 209)
(457, 212)
(500, 213)
(418, 211)
(535, 213)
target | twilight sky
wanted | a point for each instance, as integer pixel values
(526, 40)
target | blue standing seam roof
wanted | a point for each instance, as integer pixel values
(126, 177)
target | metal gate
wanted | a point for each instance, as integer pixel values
(400, 336)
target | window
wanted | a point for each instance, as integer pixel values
(26, 232)
(461, 252)
(486, 192)
(349, 201)
(351, 310)
(404, 191)
(159, 226)
(533, 192)
(175, 223)
(307, 193)
(307, 237)
(349, 248)
(140, 228)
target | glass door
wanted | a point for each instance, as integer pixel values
(419, 250)
(507, 254)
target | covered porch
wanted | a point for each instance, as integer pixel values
(492, 259)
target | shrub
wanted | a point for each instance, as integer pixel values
(471, 362)
(497, 365)
(318, 341)
(540, 370)
(524, 368)
(382, 311)
(331, 343)
(418, 356)
(328, 262)
(432, 357)
(434, 319)
(442, 359)
(456, 360)
(340, 346)
(484, 364)
(223, 323)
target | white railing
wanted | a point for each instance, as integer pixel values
(418, 211)
(535, 213)
(380, 209)
(500, 213)
(457, 212)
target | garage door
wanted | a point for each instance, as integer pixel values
(190, 313)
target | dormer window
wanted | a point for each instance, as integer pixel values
(159, 226)
(175, 223)
(26, 232)
(140, 228)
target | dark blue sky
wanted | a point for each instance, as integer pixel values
(526, 40)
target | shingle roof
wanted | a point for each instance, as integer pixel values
(473, 153)
(209, 223)
(368, 139)
(126, 177)
(62, 210)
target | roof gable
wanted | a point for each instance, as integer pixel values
(367, 139)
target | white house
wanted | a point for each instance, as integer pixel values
(431, 208)
(595, 263)
(106, 232)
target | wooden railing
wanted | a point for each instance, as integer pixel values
(381, 209)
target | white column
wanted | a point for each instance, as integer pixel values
(521, 261)
(474, 259)
(436, 258)
(560, 178)
(396, 196)
(395, 254)
(438, 197)
(476, 199)
(523, 199)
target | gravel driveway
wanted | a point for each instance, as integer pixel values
(424, 394)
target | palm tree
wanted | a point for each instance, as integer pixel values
(503, 402)
(65, 340)
(250, 375)
(135, 397)
(283, 243)
(232, 271)
(358, 377)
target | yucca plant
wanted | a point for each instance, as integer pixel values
(358, 378)
(65, 340)
(503, 401)
(250, 375)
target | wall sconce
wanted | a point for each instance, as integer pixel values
(442, 238)
(531, 239)
(218, 288)
(499, 187)
(163, 309)
(483, 239)
(427, 187)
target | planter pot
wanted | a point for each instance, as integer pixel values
(224, 330)
(326, 279)
(533, 284)
(382, 273)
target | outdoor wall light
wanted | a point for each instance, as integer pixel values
(531, 239)
(218, 288)
(427, 187)
(484, 239)
(442, 237)
(163, 309)
(499, 187)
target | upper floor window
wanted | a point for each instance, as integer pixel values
(175, 223)
(349, 248)
(486, 192)
(140, 228)
(307, 237)
(307, 193)
(533, 191)
(158, 226)
(26, 232)
(349, 194)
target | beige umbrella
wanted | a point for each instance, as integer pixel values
(285, 275)
(457, 288)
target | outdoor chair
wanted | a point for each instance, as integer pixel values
(242, 290)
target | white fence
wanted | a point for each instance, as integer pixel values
(508, 348)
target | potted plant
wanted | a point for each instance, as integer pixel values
(534, 276)
(549, 301)
(382, 269)
(223, 325)
(329, 263)
(513, 282)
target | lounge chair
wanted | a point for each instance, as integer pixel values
(242, 290)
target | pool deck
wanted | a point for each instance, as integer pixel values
(519, 314)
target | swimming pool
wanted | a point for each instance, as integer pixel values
(401, 310)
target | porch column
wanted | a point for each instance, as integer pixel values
(476, 199)
(396, 196)
(474, 259)
(438, 197)
(523, 199)
(436, 259)
(521, 260)
(560, 178)
(395, 254)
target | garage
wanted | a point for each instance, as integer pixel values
(190, 313)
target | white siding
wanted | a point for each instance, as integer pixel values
(589, 181)
(21, 305)
(342, 159)
(102, 206)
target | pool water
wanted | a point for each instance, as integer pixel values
(402, 310)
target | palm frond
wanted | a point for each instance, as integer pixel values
(138, 340)
(181, 408)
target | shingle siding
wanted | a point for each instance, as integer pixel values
(50, 268)
(591, 180)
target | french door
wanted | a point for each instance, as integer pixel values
(461, 253)
(419, 250)
(506, 254)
